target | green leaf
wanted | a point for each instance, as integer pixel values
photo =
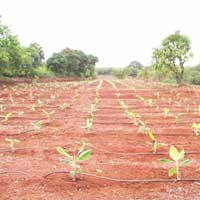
(63, 152)
(172, 171)
(165, 161)
(181, 155)
(174, 154)
(72, 173)
(185, 162)
(84, 155)
(65, 161)
(151, 135)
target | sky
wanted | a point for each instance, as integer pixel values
(116, 31)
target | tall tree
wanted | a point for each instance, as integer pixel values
(36, 53)
(172, 54)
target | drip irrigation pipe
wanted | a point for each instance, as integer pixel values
(127, 180)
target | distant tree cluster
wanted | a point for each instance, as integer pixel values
(71, 62)
(17, 60)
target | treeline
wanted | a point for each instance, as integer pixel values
(17, 60)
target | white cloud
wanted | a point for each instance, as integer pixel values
(117, 31)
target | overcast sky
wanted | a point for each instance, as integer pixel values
(117, 31)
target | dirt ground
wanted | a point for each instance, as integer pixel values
(119, 150)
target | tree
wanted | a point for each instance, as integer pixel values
(70, 62)
(172, 55)
(36, 54)
(135, 66)
(13, 57)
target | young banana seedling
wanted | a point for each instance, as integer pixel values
(7, 117)
(154, 143)
(49, 115)
(196, 128)
(37, 125)
(166, 112)
(64, 106)
(178, 159)
(74, 160)
(131, 115)
(142, 127)
(177, 118)
(10, 143)
(89, 124)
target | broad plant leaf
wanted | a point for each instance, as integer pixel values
(174, 154)
(165, 161)
(63, 152)
(185, 162)
(84, 155)
(151, 135)
(172, 171)
(181, 155)
(65, 161)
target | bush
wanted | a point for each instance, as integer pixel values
(121, 73)
(192, 76)
(104, 71)
(43, 71)
(72, 63)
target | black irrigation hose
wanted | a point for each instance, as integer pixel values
(138, 153)
(127, 180)
(21, 149)
(14, 172)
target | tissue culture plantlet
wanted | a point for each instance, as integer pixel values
(7, 117)
(197, 109)
(196, 128)
(166, 112)
(178, 159)
(20, 114)
(142, 127)
(74, 160)
(49, 115)
(40, 102)
(131, 115)
(154, 143)
(11, 142)
(89, 123)
(177, 118)
(64, 106)
(37, 125)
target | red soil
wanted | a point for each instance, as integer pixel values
(120, 152)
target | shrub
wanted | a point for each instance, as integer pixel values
(121, 73)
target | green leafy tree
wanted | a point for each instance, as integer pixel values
(14, 59)
(172, 54)
(135, 66)
(71, 62)
(36, 53)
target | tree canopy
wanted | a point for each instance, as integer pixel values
(172, 55)
(70, 62)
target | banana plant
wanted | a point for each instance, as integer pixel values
(89, 123)
(64, 106)
(74, 160)
(49, 115)
(37, 125)
(7, 117)
(142, 127)
(10, 143)
(178, 159)
(166, 112)
(177, 118)
(196, 128)
(154, 143)
(133, 116)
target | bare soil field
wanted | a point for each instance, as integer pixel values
(37, 118)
